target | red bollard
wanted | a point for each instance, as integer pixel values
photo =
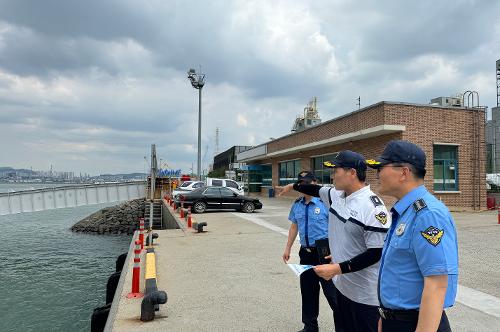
(190, 222)
(136, 273)
(182, 211)
(141, 232)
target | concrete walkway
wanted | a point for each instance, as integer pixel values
(232, 278)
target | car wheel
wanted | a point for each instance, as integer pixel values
(199, 207)
(248, 207)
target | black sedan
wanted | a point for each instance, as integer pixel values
(219, 198)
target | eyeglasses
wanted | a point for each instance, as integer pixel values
(380, 168)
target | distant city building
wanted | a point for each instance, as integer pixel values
(493, 132)
(224, 160)
(493, 142)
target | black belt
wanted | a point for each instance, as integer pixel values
(403, 315)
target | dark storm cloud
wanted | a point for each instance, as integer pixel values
(85, 81)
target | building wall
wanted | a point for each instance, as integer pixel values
(425, 126)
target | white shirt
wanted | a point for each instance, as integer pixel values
(356, 223)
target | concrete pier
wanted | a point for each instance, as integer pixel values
(232, 277)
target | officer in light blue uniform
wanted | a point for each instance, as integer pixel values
(309, 217)
(419, 266)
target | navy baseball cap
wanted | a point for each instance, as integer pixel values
(347, 158)
(399, 151)
(306, 176)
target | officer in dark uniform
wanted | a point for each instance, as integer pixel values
(419, 265)
(309, 217)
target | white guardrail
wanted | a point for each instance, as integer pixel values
(69, 196)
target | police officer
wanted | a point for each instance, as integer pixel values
(419, 265)
(309, 218)
(358, 223)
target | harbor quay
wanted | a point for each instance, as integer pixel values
(231, 276)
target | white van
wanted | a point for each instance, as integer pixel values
(231, 184)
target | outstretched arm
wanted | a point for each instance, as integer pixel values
(308, 189)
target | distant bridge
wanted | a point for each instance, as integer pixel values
(69, 196)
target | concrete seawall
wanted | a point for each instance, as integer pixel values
(69, 196)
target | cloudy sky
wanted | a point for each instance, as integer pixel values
(87, 86)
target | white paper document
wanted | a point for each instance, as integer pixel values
(299, 269)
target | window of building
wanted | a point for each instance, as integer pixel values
(321, 172)
(267, 175)
(289, 171)
(445, 168)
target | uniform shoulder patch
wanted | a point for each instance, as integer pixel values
(433, 235)
(376, 200)
(419, 204)
(381, 217)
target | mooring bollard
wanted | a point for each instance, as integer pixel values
(190, 221)
(141, 232)
(136, 273)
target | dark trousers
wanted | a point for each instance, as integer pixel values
(352, 316)
(389, 325)
(309, 288)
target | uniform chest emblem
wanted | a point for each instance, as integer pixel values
(354, 213)
(401, 229)
(433, 235)
(317, 210)
(381, 217)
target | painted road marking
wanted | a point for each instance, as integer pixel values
(263, 223)
(478, 300)
(469, 297)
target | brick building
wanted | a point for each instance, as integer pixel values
(452, 138)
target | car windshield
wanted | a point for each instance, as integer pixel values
(185, 184)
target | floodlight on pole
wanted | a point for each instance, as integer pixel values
(198, 81)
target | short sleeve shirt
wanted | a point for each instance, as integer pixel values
(421, 242)
(356, 223)
(311, 219)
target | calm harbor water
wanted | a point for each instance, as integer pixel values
(51, 278)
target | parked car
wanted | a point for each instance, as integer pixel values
(219, 198)
(231, 184)
(187, 186)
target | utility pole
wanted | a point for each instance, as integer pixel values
(359, 102)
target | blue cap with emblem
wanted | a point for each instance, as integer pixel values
(347, 158)
(306, 177)
(399, 151)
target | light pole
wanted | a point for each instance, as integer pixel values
(198, 81)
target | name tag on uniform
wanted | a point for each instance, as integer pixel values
(401, 229)
(317, 210)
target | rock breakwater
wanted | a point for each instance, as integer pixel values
(119, 219)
